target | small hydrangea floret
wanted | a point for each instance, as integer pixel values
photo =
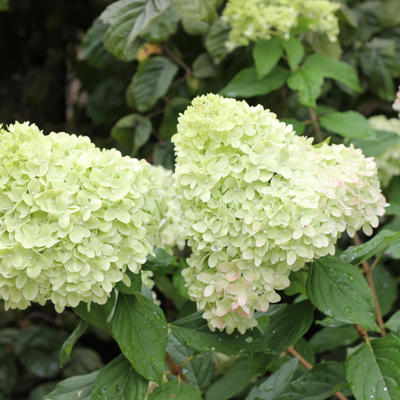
(258, 202)
(73, 218)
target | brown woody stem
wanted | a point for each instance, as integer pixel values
(175, 369)
(362, 333)
(304, 362)
(316, 126)
(368, 276)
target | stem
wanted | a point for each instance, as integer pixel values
(317, 128)
(157, 136)
(188, 71)
(368, 275)
(362, 333)
(304, 362)
(190, 359)
(175, 369)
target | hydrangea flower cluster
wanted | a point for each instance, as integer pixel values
(262, 18)
(73, 218)
(396, 104)
(172, 235)
(259, 202)
(388, 162)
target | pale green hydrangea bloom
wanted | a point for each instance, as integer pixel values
(172, 235)
(388, 162)
(73, 218)
(259, 19)
(258, 202)
(396, 104)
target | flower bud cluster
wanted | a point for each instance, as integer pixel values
(258, 202)
(73, 218)
(262, 18)
(388, 162)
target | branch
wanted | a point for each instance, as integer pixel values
(368, 275)
(175, 369)
(304, 362)
(362, 333)
(317, 128)
(188, 71)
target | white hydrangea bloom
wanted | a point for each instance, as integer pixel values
(172, 235)
(73, 218)
(396, 104)
(259, 19)
(258, 202)
(388, 162)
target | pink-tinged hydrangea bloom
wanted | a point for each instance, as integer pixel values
(259, 202)
(73, 218)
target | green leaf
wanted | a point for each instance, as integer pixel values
(178, 280)
(131, 133)
(246, 83)
(385, 140)
(294, 50)
(320, 144)
(162, 27)
(200, 370)
(319, 383)
(266, 54)
(298, 126)
(8, 371)
(175, 389)
(162, 262)
(119, 380)
(329, 338)
(164, 155)
(357, 254)
(308, 83)
(93, 47)
(204, 67)
(70, 342)
(193, 332)
(136, 283)
(321, 44)
(349, 124)
(127, 19)
(232, 382)
(276, 383)
(393, 324)
(195, 27)
(170, 118)
(3, 5)
(76, 388)
(165, 286)
(376, 60)
(340, 291)
(98, 314)
(41, 391)
(140, 328)
(334, 69)
(200, 10)
(83, 361)
(215, 40)
(373, 371)
(38, 350)
(150, 82)
(107, 101)
(385, 287)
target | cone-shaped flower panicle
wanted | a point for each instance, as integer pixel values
(260, 19)
(258, 202)
(73, 218)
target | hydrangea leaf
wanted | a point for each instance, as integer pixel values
(70, 342)
(340, 291)
(175, 389)
(376, 363)
(356, 255)
(140, 328)
(294, 50)
(215, 40)
(127, 19)
(119, 378)
(330, 338)
(266, 54)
